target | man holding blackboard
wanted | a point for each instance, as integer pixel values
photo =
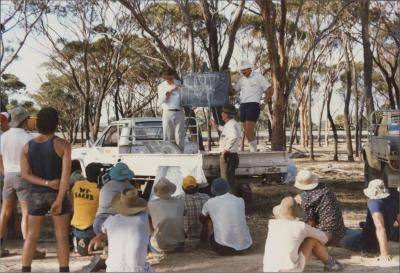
(251, 87)
(173, 118)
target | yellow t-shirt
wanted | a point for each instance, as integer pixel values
(85, 196)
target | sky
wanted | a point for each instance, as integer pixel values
(30, 69)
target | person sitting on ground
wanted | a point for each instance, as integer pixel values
(127, 233)
(383, 212)
(194, 202)
(224, 221)
(166, 219)
(76, 172)
(85, 201)
(290, 241)
(120, 175)
(320, 206)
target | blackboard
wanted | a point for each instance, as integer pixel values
(205, 89)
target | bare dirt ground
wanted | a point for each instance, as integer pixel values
(345, 178)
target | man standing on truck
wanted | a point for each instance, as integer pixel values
(229, 145)
(173, 118)
(251, 87)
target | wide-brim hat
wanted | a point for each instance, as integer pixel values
(128, 202)
(164, 188)
(219, 186)
(287, 209)
(245, 65)
(306, 180)
(121, 172)
(18, 115)
(376, 190)
(229, 109)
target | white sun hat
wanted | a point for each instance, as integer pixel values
(376, 190)
(306, 180)
(245, 64)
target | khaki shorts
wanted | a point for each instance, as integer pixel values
(15, 187)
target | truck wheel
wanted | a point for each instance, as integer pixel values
(244, 191)
(370, 174)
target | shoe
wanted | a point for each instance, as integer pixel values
(4, 253)
(39, 255)
(336, 267)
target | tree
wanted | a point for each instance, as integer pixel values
(18, 16)
(368, 63)
(60, 93)
(9, 85)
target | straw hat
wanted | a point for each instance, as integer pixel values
(128, 202)
(164, 188)
(189, 182)
(18, 115)
(306, 180)
(376, 190)
(121, 172)
(287, 209)
(245, 65)
(219, 186)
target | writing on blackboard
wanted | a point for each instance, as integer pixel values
(205, 89)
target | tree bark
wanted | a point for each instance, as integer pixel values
(335, 136)
(350, 156)
(368, 62)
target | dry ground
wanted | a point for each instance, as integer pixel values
(346, 180)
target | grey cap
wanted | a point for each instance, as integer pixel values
(219, 186)
(18, 115)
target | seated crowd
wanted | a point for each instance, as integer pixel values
(116, 216)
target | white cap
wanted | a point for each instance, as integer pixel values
(245, 65)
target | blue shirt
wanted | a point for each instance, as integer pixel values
(389, 209)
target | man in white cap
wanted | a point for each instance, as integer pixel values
(251, 87)
(15, 188)
(378, 229)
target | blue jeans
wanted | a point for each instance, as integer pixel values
(351, 240)
(83, 234)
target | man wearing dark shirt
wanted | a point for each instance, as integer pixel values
(383, 212)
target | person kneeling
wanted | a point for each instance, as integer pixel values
(127, 233)
(290, 241)
(85, 200)
(224, 221)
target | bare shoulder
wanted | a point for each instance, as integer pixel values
(61, 143)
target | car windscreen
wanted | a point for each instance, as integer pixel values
(148, 130)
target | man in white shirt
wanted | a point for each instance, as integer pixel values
(15, 187)
(3, 128)
(228, 145)
(224, 220)
(251, 87)
(173, 118)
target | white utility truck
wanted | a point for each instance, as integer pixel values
(138, 142)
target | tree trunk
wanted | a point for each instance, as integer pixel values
(335, 136)
(349, 144)
(357, 98)
(320, 120)
(368, 62)
(294, 128)
(310, 124)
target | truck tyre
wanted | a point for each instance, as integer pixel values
(393, 191)
(370, 173)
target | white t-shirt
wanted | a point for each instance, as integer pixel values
(230, 136)
(128, 238)
(174, 101)
(283, 242)
(252, 88)
(227, 213)
(12, 142)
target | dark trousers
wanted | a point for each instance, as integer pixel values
(228, 164)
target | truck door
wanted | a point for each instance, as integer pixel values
(106, 148)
